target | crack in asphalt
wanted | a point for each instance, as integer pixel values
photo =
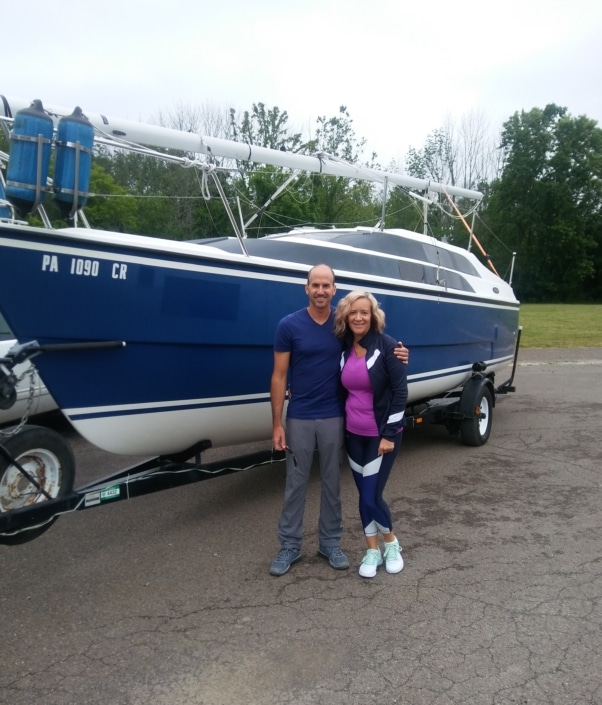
(500, 601)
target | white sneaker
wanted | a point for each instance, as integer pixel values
(370, 562)
(393, 559)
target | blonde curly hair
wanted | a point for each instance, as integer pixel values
(377, 315)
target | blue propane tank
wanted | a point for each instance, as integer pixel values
(30, 143)
(74, 143)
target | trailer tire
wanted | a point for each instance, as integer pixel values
(475, 431)
(47, 456)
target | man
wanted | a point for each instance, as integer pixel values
(306, 346)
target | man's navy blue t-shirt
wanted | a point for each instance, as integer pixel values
(314, 365)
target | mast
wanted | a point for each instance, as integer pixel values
(168, 138)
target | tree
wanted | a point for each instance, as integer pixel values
(460, 154)
(149, 183)
(109, 208)
(337, 200)
(312, 199)
(265, 127)
(547, 203)
(207, 119)
(169, 198)
(255, 184)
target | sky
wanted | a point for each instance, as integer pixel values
(401, 68)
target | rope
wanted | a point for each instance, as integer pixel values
(472, 235)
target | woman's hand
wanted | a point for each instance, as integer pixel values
(385, 446)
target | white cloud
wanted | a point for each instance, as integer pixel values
(399, 67)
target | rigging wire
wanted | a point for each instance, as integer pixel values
(206, 170)
(490, 231)
(472, 235)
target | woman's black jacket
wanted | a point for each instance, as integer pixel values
(388, 378)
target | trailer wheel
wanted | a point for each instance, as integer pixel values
(475, 431)
(48, 458)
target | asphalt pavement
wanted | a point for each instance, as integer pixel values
(166, 599)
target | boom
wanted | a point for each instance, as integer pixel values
(167, 138)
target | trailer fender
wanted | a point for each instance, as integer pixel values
(472, 392)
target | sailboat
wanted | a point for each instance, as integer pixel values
(152, 346)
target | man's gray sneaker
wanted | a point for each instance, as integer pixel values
(284, 560)
(337, 559)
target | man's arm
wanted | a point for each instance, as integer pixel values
(277, 397)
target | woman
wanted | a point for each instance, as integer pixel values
(375, 390)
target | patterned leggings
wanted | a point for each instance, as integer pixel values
(371, 472)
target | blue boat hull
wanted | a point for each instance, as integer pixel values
(199, 328)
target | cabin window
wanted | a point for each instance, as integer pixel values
(427, 270)
(416, 272)
(453, 280)
(449, 260)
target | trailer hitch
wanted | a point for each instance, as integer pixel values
(8, 385)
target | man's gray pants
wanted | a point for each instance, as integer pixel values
(303, 436)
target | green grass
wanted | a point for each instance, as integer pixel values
(561, 325)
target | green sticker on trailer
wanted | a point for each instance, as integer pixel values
(109, 493)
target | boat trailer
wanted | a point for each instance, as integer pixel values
(153, 475)
(466, 411)
(27, 513)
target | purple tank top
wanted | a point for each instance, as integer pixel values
(359, 406)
